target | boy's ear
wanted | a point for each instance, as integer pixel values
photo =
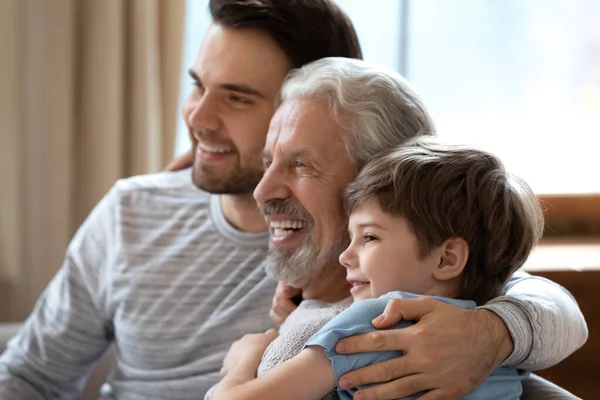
(454, 254)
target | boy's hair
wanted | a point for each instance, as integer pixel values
(453, 191)
(306, 30)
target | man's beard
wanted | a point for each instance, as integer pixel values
(239, 181)
(301, 267)
(307, 263)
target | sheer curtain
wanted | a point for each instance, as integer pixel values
(88, 94)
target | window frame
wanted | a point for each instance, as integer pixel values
(571, 215)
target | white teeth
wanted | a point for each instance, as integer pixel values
(283, 228)
(213, 149)
(278, 233)
(288, 224)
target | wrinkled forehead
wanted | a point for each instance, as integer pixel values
(306, 124)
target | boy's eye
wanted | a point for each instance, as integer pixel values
(369, 238)
(267, 163)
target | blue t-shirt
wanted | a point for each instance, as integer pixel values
(503, 383)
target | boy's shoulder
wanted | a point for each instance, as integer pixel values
(448, 300)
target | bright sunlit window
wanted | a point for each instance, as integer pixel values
(197, 21)
(518, 78)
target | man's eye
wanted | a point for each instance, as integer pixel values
(198, 86)
(267, 163)
(300, 164)
(238, 99)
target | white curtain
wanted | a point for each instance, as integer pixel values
(88, 94)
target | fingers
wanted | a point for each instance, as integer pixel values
(282, 304)
(397, 310)
(280, 309)
(387, 340)
(181, 162)
(272, 333)
(284, 301)
(400, 388)
(288, 291)
(376, 373)
(276, 316)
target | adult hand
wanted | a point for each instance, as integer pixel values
(449, 351)
(283, 303)
(181, 162)
(249, 350)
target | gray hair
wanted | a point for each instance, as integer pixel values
(375, 106)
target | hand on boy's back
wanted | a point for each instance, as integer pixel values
(449, 351)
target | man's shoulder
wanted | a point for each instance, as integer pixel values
(179, 180)
(174, 186)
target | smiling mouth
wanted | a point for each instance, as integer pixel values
(283, 228)
(358, 283)
(214, 150)
(358, 286)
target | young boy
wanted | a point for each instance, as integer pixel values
(425, 220)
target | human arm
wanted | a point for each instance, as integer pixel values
(68, 329)
(451, 350)
(308, 375)
(528, 307)
(181, 162)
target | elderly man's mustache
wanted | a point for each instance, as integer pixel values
(287, 207)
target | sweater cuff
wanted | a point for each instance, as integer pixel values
(515, 317)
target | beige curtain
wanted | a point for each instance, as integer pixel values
(88, 94)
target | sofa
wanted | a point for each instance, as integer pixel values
(534, 388)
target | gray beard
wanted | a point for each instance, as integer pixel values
(299, 268)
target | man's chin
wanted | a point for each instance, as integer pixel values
(289, 268)
(212, 181)
(281, 274)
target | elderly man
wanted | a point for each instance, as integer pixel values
(335, 115)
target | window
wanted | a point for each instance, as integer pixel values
(518, 78)
(197, 21)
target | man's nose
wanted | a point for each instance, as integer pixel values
(203, 114)
(272, 186)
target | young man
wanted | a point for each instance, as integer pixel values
(171, 274)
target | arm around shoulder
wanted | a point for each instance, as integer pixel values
(544, 320)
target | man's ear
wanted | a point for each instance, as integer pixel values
(454, 254)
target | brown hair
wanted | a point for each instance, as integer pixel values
(452, 191)
(306, 30)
